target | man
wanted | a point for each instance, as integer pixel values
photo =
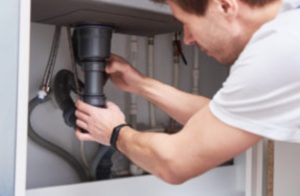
(260, 98)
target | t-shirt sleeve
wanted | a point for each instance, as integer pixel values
(262, 93)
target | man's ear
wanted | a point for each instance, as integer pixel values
(228, 7)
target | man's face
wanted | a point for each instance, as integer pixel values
(214, 34)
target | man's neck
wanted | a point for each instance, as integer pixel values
(252, 18)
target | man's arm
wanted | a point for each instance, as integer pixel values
(178, 104)
(204, 143)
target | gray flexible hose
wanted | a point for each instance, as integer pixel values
(97, 159)
(82, 173)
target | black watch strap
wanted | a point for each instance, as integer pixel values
(115, 135)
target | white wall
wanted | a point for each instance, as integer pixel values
(45, 169)
(286, 169)
(9, 54)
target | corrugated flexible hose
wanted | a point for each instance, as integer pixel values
(82, 173)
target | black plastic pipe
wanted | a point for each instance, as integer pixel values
(92, 45)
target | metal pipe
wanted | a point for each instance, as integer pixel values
(133, 98)
(51, 61)
(152, 119)
(195, 76)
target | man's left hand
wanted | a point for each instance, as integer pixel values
(98, 122)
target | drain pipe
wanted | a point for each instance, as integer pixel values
(133, 98)
(134, 169)
(152, 119)
(173, 125)
(92, 44)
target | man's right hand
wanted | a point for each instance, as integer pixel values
(179, 105)
(123, 75)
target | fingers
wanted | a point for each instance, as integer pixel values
(114, 57)
(83, 107)
(110, 68)
(97, 121)
(82, 116)
(115, 64)
(83, 136)
(81, 124)
(84, 110)
(113, 106)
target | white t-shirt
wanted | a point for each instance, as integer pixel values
(262, 93)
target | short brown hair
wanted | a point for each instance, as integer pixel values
(199, 6)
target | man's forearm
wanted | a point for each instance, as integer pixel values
(201, 145)
(178, 104)
(154, 152)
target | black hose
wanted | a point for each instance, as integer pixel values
(82, 173)
(64, 83)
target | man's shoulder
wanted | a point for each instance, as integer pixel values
(276, 41)
(273, 49)
(285, 24)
